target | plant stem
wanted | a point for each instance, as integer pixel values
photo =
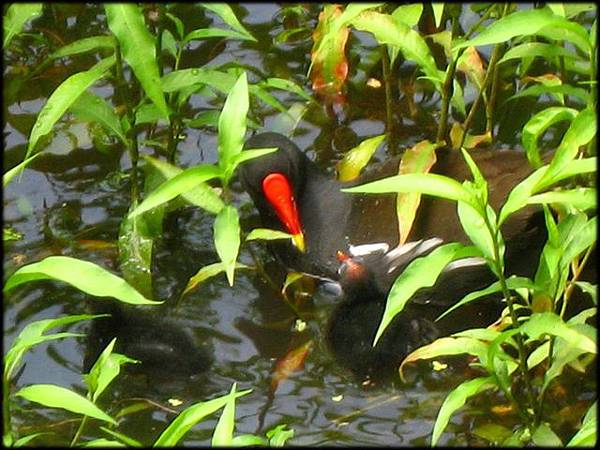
(133, 144)
(499, 266)
(389, 117)
(79, 431)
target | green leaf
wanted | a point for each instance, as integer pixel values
(190, 417)
(286, 85)
(543, 436)
(447, 346)
(513, 282)
(387, 30)
(84, 45)
(227, 239)
(425, 183)
(541, 89)
(579, 198)
(184, 78)
(581, 131)
(455, 400)
(123, 438)
(17, 15)
(356, 159)
(178, 24)
(224, 11)
(138, 48)
(421, 272)
(551, 323)
(586, 436)
(279, 435)
(207, 272)
(247, 440)
(58, 397)
(206, 33)
(33, 334)
(538, 181)
(536, 49)
(179, 184)
(474, 226)
(267, 234)
(536, 127)
(223, 433)
(589, 288)
(202, 195)
(92, 108)
(232, 125)
(63, 97)
(23, 441)
(10, 174)
(83, 275)
(526, 23)
(249, 154)
(105, 369)
(438, 12)
(409, 14)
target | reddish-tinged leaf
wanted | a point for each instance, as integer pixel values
(417, 159)
(471, 64)
(329, 66)
(290, 363)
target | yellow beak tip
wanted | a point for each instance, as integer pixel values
(298, 240)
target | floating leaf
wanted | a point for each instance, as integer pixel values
(58, 397)
(83, 275)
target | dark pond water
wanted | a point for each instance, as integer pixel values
(77, 193)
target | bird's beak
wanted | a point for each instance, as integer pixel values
(298, 240)
(278, 192)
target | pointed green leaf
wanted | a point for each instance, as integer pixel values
(83, 275)
(10, 174)
(183, 182)
(17, 15)
(92, 108)
(63, 97)
(207, 272)
(84, 45)
(227, 239)
(58, 397)
(421, 272)
(224, 11)
(190, 417)
(223, 433)
(455, 400)
(138, 48)
(356, 159)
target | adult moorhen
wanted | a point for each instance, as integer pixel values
(292, 194)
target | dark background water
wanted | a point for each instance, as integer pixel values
(77, 192)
